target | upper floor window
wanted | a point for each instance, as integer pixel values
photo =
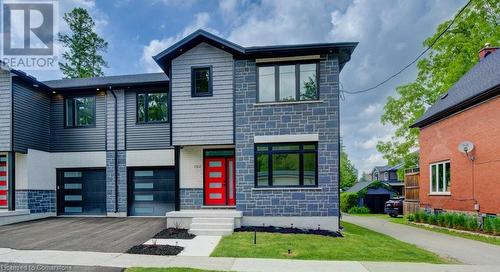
(80, 111)
(440, 177)
(286, 165)
(152, 107)
(201, 81)
(290, 82)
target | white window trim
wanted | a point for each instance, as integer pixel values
(431, 192)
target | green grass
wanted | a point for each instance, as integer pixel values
(358, 244)
(480, 238)
(173, 269)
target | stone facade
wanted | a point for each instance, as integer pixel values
(191, 198)
(110, 182)
(37, 201)
(319, 117)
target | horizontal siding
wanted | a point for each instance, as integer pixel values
(143, 136)
(5, 110)
(77, 139)
(202, 120)
(110, 102)
(31, 119)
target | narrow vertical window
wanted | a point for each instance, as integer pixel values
(80, 111)
(308, 82)
(267, 84)
(287, 83)
(201, 81)
(440, 177)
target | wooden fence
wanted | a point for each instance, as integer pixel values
(411, 191)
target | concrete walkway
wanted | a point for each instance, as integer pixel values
(199, 246)
(101, 259)
(463, 250)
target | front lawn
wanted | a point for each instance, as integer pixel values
(173, 269)
(358, 244)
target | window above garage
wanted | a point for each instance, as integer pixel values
(152, 107)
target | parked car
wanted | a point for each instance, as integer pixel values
(394, 207)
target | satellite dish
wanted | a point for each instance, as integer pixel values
(465, 147)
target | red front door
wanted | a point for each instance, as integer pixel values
(3, 182)
(219, 181)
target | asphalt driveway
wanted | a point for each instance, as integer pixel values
(100, 234)
(463, 250)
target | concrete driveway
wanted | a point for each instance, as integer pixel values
(463, 250)
(99, 234)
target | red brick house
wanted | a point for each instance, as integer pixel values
(451, 180)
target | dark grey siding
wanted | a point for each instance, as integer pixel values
(76, 139)
(31, 119)
(5, 110)
(143, 136)
(202, 120)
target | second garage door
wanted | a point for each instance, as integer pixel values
(151, 191)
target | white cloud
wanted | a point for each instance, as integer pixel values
(156, 46)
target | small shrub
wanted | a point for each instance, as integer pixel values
(425, 217)
(448, 220)
(458, 221)
(347, 201)
(441, 219)
(471, 223)
(410, 217)
(488, 225)
(432, 219)
(359, 210)
(496, 226)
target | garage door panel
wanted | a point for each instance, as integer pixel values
(151, 191)
(82, 192)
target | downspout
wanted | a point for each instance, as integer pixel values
(116, 148)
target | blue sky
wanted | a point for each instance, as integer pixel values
(390, 33)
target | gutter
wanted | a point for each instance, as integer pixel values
(116, 148)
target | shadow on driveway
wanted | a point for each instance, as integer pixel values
(100, 234)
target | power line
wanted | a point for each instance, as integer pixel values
(416, 59)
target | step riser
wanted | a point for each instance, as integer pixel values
(210, 226)
(213, 220)
(211, 232)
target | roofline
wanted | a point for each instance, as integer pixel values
(476, 99)
(343, 48)
(31, 80)
(87, 87)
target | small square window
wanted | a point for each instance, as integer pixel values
(201, 81)
(80, 111)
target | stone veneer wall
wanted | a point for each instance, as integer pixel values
(110, 182)
(315, 117)
(191, 198)
(37, 201)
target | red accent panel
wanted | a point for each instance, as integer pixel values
(215, 182)
(3, 202)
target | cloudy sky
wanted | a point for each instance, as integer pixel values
(389, 32)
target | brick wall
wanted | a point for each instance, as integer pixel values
(37, 201)
(315, 117)
(470, 181)
(110, 181)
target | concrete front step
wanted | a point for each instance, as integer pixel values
(213, 220)
(210, 226)
(211, 232)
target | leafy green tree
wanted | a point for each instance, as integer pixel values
(449, 59)
(83, 57)
(348, 172)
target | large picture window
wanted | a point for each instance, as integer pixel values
(152, 107)
(80, 111)
(286, 165)
(291, 82)
(440, 178)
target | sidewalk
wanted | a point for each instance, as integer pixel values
(463, 250)
(81, 258)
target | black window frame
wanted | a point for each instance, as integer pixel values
(146, 102)
(65, 109)
(276, 66)
(193, 81)
(269, 152)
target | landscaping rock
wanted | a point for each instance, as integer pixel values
(162, 250)
(173, 233)
(272, 229)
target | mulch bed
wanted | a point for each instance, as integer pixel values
(173, 233)
(272, 229)
(162, 250)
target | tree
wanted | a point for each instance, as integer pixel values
(83, 58)
(348, 172)
(449, 59)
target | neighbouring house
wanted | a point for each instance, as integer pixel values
(229, 134)
(372, 194)
(388, 175)
(451, 180)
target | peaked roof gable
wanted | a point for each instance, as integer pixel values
(478, 84)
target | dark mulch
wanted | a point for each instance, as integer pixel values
(272, 229)
(155, 250)
(173, 233)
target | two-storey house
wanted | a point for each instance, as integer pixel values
(252, 132)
